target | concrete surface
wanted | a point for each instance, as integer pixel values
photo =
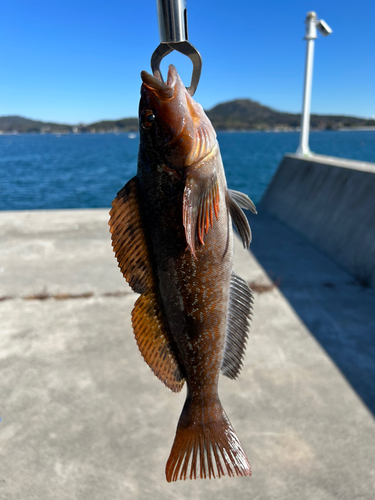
(333, 305)
(330, 201)
(83, 417)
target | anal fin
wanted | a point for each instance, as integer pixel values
(238, 326)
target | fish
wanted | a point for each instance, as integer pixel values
(172, 234)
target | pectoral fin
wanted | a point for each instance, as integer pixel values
(200, 206)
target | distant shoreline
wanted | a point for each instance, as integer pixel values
(237, 115)
(134, 134)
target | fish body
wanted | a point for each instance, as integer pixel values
(172, 234)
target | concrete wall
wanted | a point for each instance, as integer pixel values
(330, 201)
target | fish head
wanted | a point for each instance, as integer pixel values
(174, 128)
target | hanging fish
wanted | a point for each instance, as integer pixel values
(172, 235)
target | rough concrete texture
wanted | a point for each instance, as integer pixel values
(83, 417)
(331, 202)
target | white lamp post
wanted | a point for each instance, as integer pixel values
(312, 23)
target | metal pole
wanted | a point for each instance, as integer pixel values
(172, 20)
(303, 148)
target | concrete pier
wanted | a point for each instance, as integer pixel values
(83, 417)
(331, 202)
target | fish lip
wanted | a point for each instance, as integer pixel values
(154, 83)
(172, 76)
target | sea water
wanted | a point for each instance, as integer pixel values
(87, 170)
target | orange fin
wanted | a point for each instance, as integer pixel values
(200, 206)
(206, 449)
(130, 246)
(128, 238)
(153, 343)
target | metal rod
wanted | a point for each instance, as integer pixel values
(173, 31)
(303, 148)
(312, 24)
(172, 20)
(185, 48)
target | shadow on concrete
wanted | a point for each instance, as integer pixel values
(337, 310)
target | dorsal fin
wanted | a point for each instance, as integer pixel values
(128, 238)
(130, 246)
(238, 326)
(153, 343)
(236, 200)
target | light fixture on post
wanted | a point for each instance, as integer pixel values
(312, 24)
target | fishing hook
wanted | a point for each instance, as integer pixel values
(172, 20)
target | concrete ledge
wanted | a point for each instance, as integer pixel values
(84, 418)
(330, 201)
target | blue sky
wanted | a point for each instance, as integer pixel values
(80, 60)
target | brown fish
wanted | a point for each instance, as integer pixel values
(172, 235)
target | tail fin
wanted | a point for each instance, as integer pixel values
(206, 449)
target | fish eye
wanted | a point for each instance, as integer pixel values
(147, 119)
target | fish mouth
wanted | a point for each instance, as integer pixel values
(154, 82)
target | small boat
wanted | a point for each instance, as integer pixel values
(132, 135)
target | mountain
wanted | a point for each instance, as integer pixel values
(245, 114)
(124, 125)
(9, 124)
(240, 114)
(20, 124)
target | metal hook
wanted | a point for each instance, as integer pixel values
(172, 19)
(188, 50)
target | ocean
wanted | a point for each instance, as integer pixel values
(87, 170)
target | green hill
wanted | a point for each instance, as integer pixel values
(20, 124)
(245, 114)
(239, 114)
(9, 124)
(124, 125)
